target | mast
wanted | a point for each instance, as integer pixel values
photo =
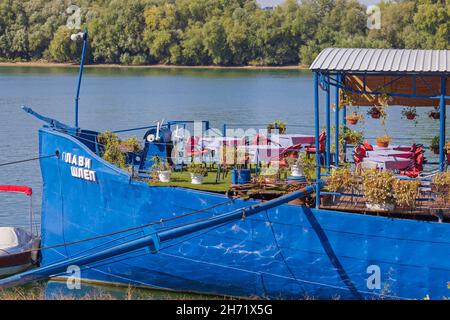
(80, 74)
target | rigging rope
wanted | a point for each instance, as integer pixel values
(26, 160)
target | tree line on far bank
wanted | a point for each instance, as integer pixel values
(214, 32)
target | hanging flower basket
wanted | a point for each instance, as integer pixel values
(375, 113)
(352, 121)
(383, 141)
(354, 118)
(436, 115)
(410, 113)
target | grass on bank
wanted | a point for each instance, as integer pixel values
(39, 291)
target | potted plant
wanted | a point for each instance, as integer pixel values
(376, 112)
(295, 163)
(378, 190)
(279, 125)
(440, 185)
(348, 136)
(435, 114)
(406, 192)
(384, 141)
(341, 180)
(162, 169)
(354, 118)
(198, 173)
(410, 113)
(109, 144)
(130, 145)
(435, 145)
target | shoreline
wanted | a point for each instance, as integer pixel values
(152, 66)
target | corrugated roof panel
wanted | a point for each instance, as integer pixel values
(359, 59)
(427, 61)
(329, 57)
(443, 60)
(404, 61)
(412, 61)
(382, 60)
(366, 62)
(373, 60)
(337, 58)
(345, 59)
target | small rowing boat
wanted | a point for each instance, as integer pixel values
(18, 247)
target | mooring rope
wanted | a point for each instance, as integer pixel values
(26, 160)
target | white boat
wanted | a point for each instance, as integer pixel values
(19, 248)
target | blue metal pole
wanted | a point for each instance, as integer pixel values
(317, 133)
(328, 126)
(442, 159)
(336, 122)
(80, 74)
(344, 122)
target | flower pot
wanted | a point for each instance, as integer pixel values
(197, 178)
(385, 207)
(435, 115)
(376, 115)
(164, 176)
(352, 121)
(410, 116)
(435, 150)
(296, 171)
(383, 144)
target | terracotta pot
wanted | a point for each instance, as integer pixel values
(410, 116)
(383, 144)
(376, 115)
(352, 121)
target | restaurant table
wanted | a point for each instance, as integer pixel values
(389, 153)
(387, 163)
(215, 143)
(263, 153)
(391, 147)
(287, 140)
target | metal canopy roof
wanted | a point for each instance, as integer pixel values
(383, 60)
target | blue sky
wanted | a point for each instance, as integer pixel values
(265, 3)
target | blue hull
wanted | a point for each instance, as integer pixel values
(287, 252)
